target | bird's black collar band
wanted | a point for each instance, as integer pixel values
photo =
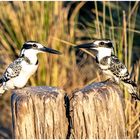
(26, 59)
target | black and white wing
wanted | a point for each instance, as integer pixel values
(12, 71)
(120, 70)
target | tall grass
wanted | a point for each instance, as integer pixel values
(40, 21)
(47, 23)
(122, 35)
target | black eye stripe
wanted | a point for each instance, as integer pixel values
(110, 45)
(27, 46)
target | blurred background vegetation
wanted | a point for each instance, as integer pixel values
(61, 25)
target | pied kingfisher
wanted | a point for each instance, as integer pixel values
(18, 72)
(110, 65)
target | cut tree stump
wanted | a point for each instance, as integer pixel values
(39, 113)
(97, 112)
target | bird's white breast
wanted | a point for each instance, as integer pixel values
(26, 72)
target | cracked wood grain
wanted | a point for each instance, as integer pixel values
(97, 112)
(39, 113)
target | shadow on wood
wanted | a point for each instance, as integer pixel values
(97, 112)
(39, 112)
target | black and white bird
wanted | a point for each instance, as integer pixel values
(18, 72)
(110, 65)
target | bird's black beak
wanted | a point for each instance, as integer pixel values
(49, 50)
(86, 46)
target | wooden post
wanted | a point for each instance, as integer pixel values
(39, 113)
(97, 112)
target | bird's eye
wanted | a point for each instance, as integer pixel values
(102, 43)
(34, 45)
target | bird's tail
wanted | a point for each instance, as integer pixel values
(1, 81)
(135, 96)
(132, 89)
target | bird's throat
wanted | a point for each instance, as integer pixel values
(103, 52)
(31, 59)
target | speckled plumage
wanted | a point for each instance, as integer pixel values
(13, 70)
(17, 73)
(117, 68)
(110, 65)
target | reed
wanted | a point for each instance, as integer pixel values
(47, 22)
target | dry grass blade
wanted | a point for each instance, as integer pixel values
(57, 25)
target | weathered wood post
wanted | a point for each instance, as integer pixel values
(97, 112)
(39, 112)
